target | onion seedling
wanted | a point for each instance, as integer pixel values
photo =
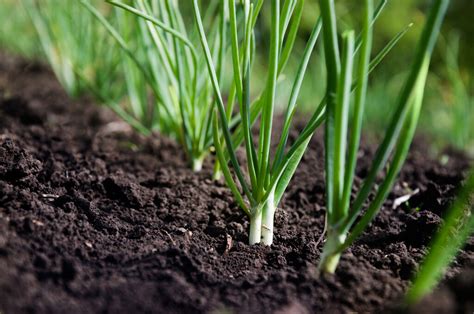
(342, 216)
(458, 226)
(173, 75)
(267, 177)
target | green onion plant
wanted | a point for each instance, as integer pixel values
(268, 179)
(345, 218)
(259, 186)
(167, 80)
(457, 227)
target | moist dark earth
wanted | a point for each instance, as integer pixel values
(95, 219)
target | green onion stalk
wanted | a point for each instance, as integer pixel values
(346, 220)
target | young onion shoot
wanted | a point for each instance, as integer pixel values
(341, 152)
(167, 81)
(267, 176)
(268, 179)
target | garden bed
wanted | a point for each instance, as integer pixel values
(96, 219)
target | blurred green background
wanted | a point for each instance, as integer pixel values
(448, 113)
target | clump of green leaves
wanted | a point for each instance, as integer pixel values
(457, 227)
(267, 177)
(342, 216)
(166, 75)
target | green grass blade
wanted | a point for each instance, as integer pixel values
(163, 55)
(372, 66)
(209, 13)
(159, 41)
(235, 123)
(182, 29)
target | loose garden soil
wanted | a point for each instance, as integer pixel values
(95, 219)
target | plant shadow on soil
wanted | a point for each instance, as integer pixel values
(96, 219)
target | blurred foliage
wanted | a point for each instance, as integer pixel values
(448, 112)
(17, 34)
(79, 49)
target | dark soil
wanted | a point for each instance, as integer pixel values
(94, 219)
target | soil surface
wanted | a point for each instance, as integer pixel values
(94, 219)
